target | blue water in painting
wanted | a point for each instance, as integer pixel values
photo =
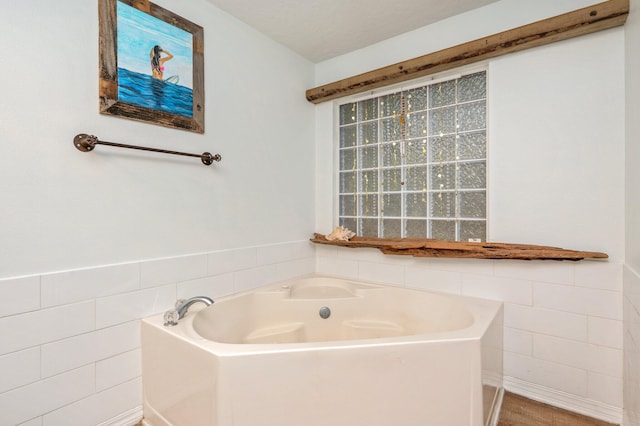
(145, 91)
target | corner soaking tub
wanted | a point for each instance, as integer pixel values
(326, 351)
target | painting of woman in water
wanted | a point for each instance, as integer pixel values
(157, 61)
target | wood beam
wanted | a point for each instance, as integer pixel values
(601, 16)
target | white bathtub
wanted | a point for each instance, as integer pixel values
(385, 356)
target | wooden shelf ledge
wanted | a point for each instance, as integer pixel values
(425, 247)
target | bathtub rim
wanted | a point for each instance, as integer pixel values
(484, 311)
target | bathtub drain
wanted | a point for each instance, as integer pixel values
(325, 312)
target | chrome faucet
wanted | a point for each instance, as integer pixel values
(172, 316)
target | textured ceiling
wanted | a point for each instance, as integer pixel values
(323, 29)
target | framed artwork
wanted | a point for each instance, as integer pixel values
(151, 65)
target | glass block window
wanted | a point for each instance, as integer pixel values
(413, 163)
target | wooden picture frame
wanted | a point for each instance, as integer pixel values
(151, 65)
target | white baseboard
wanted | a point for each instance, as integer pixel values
(128, 418)
(577, 404)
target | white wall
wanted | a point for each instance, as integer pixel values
(556, 177)
(632, 187)
(91, 242)
(65, 209)
(491, 19)
(556, 145)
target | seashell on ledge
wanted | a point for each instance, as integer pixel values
(340, 233)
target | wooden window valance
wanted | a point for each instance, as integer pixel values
(601, 16)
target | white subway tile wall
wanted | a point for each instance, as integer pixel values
(602, 387)
(19, 295)
(19, 368)
(98, 407)
(546, 373)
(70, 347)
(563, 320)
(157, 273)
(254, 277)
(379, 272)
(125, 307)
(47, 395)
(63, 288)
(222, 262)
(33, 422)
(117, 369)
(605, 332)
(631, 339)
(93, 409)
(417, 276)
(34, 328)
(213, 286)
(518, 341)
(76, 351)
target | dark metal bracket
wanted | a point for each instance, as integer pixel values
(86, 143)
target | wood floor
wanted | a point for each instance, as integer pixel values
(520, 411)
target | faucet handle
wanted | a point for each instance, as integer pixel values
(171, 318)
(179, 303)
